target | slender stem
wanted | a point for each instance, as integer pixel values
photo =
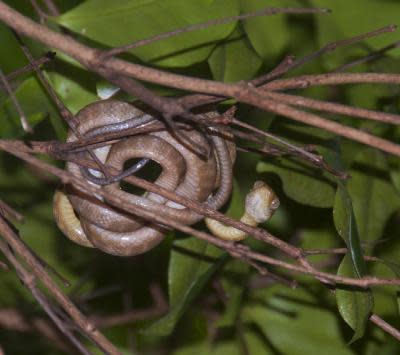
(24, 121)
(385, 326)
(249, 95)
(215, 22)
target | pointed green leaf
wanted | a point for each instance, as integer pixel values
(269, 35)
(354, 306)
(116, 23)
(192, 263)
(351, 18)
(35, 104)
(293, 322)
(303, 184)
(72, 91)
(372, 194)
(224, 62)
(233, 279)
(346, 226)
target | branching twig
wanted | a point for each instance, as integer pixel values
(29, 281)
(24, 121)
(38, 271)
(196, 27)
(385, 326)
(127, 75)
(250, 95)
(240, 251)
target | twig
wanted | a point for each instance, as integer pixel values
(281, 69)
(305, 81)
(42, 15)
(285, 66)
(49, 56)
(301, 152)
(65, 113)
(345, 42)
(4, 266)
(314, 120)
(29, 281)
(37, 269)
(14, 320)
(395, 333)
(221, 21)
(8, 211)
(238, 250)
(368, 58)
(52, 7)
(334, 108)
(24, 122)
(252, 96)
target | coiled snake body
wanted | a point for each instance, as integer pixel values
(93, 223)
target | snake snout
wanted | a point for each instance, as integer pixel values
(261, 202)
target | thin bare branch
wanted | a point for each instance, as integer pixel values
(64, 111)
(334, 108)
(49, 56)
(14, 320)
(369, 58)
(305, 81)
(243, 93)
(29, 281)
(216, 22)
(395, 333)
(24, 121)
(240, 251)
(345, 42)
(8, 211)
(38, 271)
(42, 15)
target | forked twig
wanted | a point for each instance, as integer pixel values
(24, 121)
(221, 21)
(127, 74)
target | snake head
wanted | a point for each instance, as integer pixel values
(261, 202)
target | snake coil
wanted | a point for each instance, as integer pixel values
(93, 223)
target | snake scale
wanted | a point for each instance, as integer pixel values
(92, 222)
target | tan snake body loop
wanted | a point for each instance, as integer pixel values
(97, 224)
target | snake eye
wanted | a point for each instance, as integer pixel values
(275, 203)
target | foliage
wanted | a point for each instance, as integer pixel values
(314, 206)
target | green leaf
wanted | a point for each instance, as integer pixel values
(394, 266)
(131, 20)
(35, 104)
(234, 277)
(105, 90)
(395, 176)
(294, 322)
(223, 347)
(192, 263)
(373, 196)
(301, 183)
(250, 338)
(354, 306)
(350, 18)
(321, 238)
(73, 94)
(346, 226)
(224, 62)
(11, 56)
(269, 35)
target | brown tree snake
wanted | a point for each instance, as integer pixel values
(93, 223)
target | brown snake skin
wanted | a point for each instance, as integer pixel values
(94, 223)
